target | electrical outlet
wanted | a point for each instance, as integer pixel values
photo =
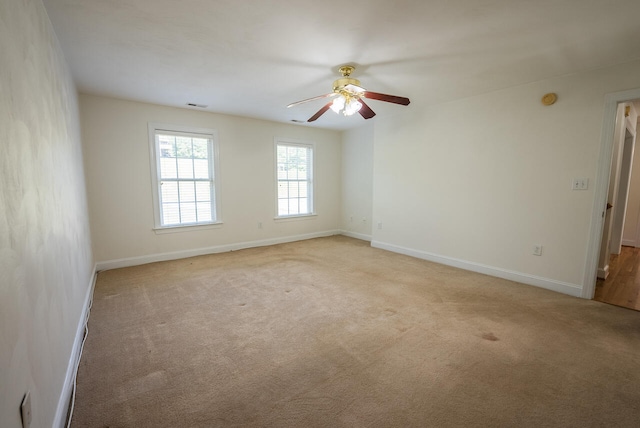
(380, 225)
(25, 410)
(259, 225)
(537, 250)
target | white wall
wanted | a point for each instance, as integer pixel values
(45, 251)
(479, 181)
(116, 147)
(357, 181)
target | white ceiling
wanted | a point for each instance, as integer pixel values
(253, 57)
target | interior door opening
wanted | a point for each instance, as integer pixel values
(618, 266)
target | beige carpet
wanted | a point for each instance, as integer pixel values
(333, 333)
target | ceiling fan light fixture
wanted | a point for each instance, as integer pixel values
(338, 104)
(350, 97)
(346, 105)
(352, 107)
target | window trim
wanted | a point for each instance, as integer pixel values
(153, 128)
(312, 189)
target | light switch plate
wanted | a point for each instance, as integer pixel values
(580, 184)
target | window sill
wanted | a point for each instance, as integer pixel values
(296, 217)
(186, 228)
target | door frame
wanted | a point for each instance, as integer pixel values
(603, 172)
(624, 183)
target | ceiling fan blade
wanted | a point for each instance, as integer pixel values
(319, 97)
(365, 111)
(388, 98)
(320, 112)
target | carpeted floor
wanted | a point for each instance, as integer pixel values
(330, 332)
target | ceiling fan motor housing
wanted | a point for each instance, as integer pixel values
(341, 83)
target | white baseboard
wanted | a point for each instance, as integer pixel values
(550, 284)
(603, 273)
(356, 235)
(629, 243)
(74, 360)
(175, 255)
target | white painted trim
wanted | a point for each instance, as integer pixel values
(153, 128)
(175, 255)
(602, 187)
(355, 235)
(74, 360)
(550, 284)
(295, 217)
(187, 228)
(301, 143)
(604, 272)
(627, 148)
(628, 243)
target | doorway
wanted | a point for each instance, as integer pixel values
(601, 187)
(618, 271)
(622, 286)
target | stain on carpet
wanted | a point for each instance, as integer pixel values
(490, 336)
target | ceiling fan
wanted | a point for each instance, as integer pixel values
(350, 96)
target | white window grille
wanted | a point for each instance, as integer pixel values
(184, 161)
(294, 171)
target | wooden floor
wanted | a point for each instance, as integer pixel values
(622, 286)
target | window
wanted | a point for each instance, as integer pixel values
(294, 169)
(183, 175)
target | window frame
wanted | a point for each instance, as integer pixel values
(212, 134)
(279, 141)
